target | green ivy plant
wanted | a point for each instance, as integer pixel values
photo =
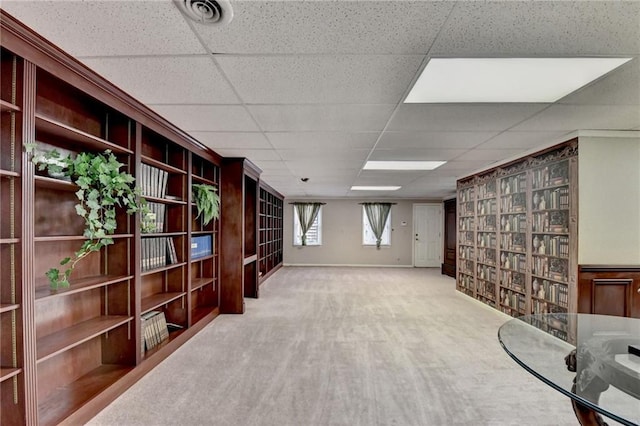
(102, 188)
(207, 202)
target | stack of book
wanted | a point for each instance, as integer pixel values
(154, 330)
(154, 219)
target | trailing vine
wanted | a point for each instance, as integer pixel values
(102, 188)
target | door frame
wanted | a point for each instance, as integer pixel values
(440, 206)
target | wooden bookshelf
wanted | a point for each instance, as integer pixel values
(517, 235)
(270, 229)
(67, 353)
(12, 355)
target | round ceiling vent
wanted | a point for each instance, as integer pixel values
(211, 12)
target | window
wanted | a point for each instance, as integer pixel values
(369, 238)
(314, 234)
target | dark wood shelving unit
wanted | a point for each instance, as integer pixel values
(66, 353)
(270, 248)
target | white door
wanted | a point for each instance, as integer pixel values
(427, 235)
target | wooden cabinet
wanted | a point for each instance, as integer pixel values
(450, 229)
(239, 245)
(270, 231)
(66, 353)
(517, 235)
(609, 290)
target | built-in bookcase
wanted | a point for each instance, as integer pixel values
(163, 280)
(270, 230)
(204, 267)
(12, 373)
(66, 353)
(517, 224)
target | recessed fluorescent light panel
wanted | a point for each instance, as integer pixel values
(462, 80)
(402, 165)
(375, 188)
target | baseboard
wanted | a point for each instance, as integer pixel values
(347, 265)
(484, 305)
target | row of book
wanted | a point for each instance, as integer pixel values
(487, 256)
(487, 206)
(466, 252)
(487, 273)
(551, 245)
(153, 181)
(551, 199)
(487, 223)
(154, 330)
(465, 224)
(555, 174)
(553, 292)
(555, 221)
(486, 289)
(158, 252)
(512, 279)
(552, 268)
(487, 190)
(155, 218)
(513, 184)
(514, 223)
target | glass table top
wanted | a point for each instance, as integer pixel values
(607, 376)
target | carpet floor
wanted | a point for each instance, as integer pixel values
(345, 346)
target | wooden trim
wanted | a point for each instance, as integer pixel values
(273, 270)
(610, 268)
(264, 185)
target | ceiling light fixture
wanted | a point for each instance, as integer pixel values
(462, 80)
(402, 165)
(375, 188)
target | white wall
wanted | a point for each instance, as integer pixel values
(342, 236)
(609, 200)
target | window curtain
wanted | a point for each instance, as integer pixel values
(377, 213)
(307, 213)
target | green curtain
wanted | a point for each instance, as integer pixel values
(307, 213)
(377, 213)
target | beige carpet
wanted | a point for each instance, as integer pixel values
(345, 346)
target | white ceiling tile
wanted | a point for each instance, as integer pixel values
(620, 87)
(107, 28)
(463, 166)
(325, 140)
(444, 140)
(430, 154)
(207, 117)
(583, 117)
(234, 140)
(531, 28)
(306, 79)
(254, 155)
(278, 118)
(328, 27)
(461, 117)
(522, 140)
(166, 80)
(490, 155)
(358, 156)
(277, 167)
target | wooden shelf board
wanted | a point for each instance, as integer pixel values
(202, 232)
(159, 299)
(53, 238)
(53, 127)
(57, 184)
(9, 240)
(8, 372)
(8, 106)
(162, 234)
(164, 166)
(249, 259)
(70, 337)
(8, 307)
(197, 283)
(201, 258)
(199, 179)
(80, 285)
(8, 173)
(162, 269)
(559, 281)
(67, 399)
(163, 200)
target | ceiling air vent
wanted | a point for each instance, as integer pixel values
(210, 12)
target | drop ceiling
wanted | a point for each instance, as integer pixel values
(316, 88)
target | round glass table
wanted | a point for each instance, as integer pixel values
(586, 357)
